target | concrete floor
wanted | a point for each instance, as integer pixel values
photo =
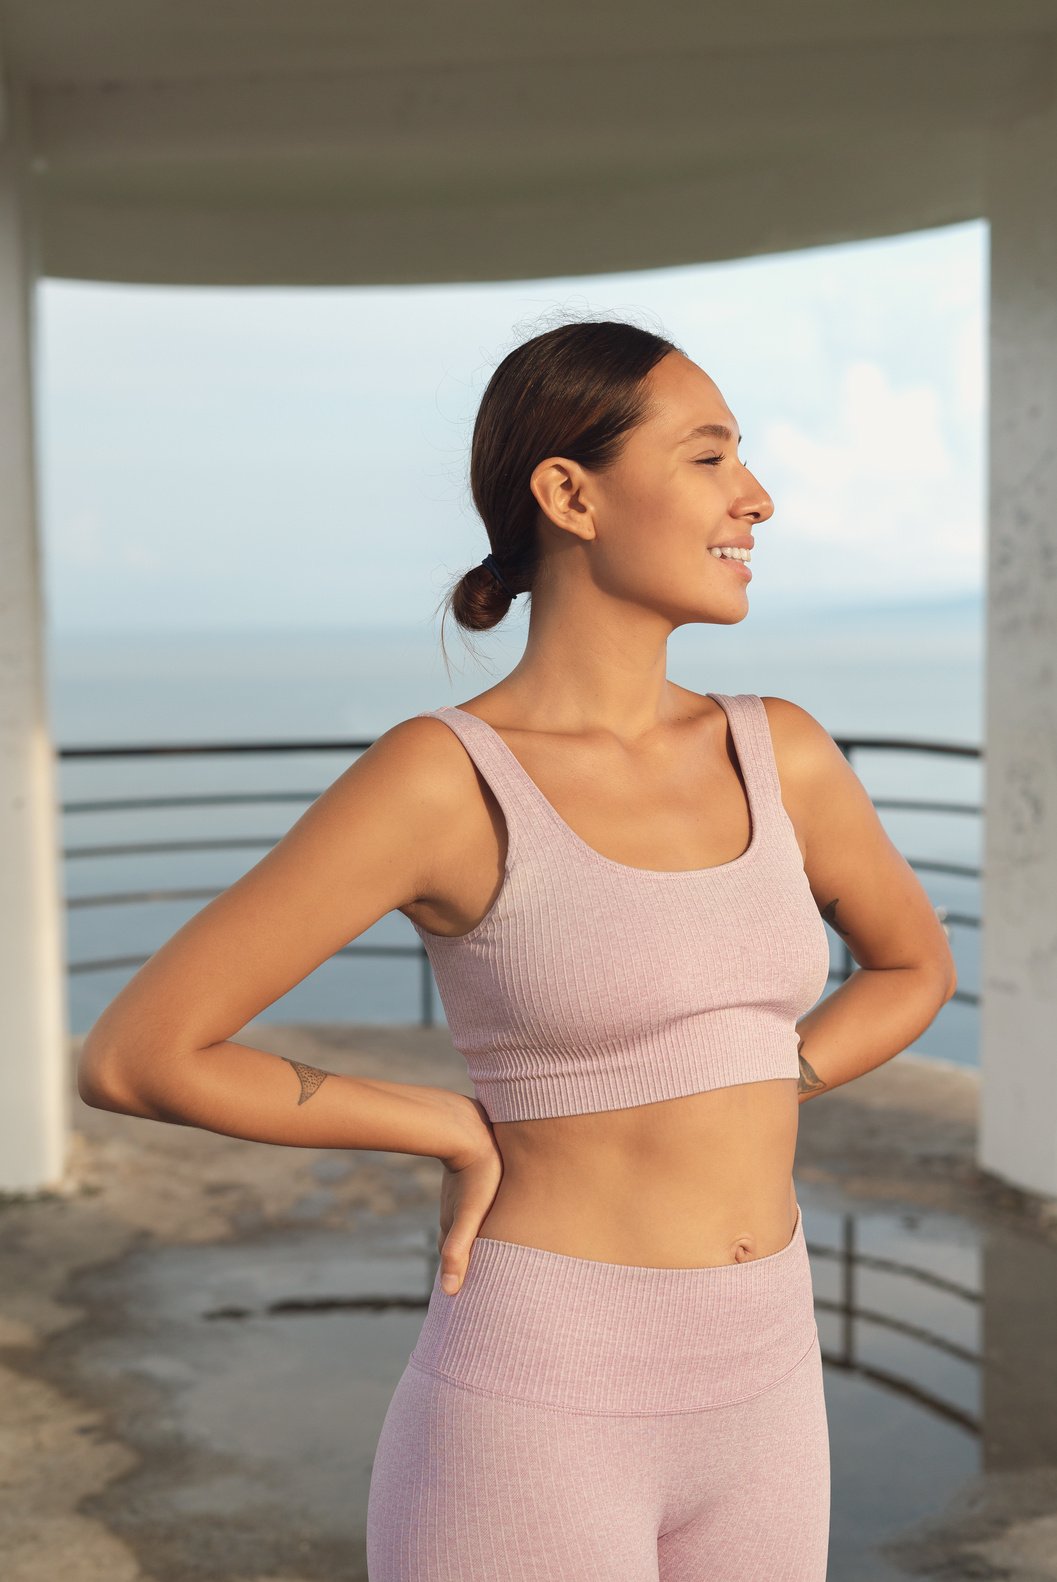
(199, 1337)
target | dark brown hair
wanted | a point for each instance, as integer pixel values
(573, 391)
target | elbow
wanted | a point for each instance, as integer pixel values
(103, 1082)
(93, 1087)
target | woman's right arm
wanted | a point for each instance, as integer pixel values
(372, 842)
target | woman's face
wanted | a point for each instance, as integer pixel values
(672, 496)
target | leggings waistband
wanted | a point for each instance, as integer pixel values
(588, 1336)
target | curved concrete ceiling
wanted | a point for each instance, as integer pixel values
(259, 143)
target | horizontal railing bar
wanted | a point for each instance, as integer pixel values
(926, 805)
(908, 744)
(127, 897)
(906, 1388)
(139, 848)
(196, 799)
(215, 749)
(901, 1326)
(908, 1271)
(247, 798)
(357, 948)
(107, 963)
(360, 744)
(198, 893)
(248, 842)
(961, 870)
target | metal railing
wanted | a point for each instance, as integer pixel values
(848, 1313)
(213, 750)
(850, 745)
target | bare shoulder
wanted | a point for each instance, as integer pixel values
(815, 774)
(812, 767)
(799, 738)
(433, 780)
(805, 756)
(421, 755)
(421, 770)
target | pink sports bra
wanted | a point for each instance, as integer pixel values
(590, 985)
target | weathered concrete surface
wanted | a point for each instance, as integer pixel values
(149, 1293)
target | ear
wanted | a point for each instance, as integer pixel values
(562, 489)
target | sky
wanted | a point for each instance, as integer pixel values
(225, 458)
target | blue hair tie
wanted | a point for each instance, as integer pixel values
(490, 562)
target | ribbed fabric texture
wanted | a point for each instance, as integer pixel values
(565, 1420)
(632, 1338)
(591, 985)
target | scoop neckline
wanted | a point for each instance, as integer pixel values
(610, 862)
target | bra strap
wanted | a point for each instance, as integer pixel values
(755, 749)
(525, 826)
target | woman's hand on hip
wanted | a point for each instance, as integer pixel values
(471, 1180)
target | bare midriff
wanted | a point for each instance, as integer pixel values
(685, 1182)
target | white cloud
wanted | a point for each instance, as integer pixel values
(880, 498)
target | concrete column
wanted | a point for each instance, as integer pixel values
(1018, 1138)
(33, 1032)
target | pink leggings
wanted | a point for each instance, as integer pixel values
(562, 1419)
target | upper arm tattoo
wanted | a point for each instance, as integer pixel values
(829, 914)
(311, 1077)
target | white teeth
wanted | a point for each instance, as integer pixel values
(731, 553)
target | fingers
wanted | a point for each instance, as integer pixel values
(454, 1257)
(466, 1198)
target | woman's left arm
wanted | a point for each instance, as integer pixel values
(868, 893)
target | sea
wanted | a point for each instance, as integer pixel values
(909, 672)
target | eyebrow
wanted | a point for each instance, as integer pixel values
(709, 431)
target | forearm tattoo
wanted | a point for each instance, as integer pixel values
(810, 1081)
(311, 1077)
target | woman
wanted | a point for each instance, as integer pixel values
(621, 885)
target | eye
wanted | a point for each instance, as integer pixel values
(708, 461)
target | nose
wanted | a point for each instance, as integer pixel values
(764, 506)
